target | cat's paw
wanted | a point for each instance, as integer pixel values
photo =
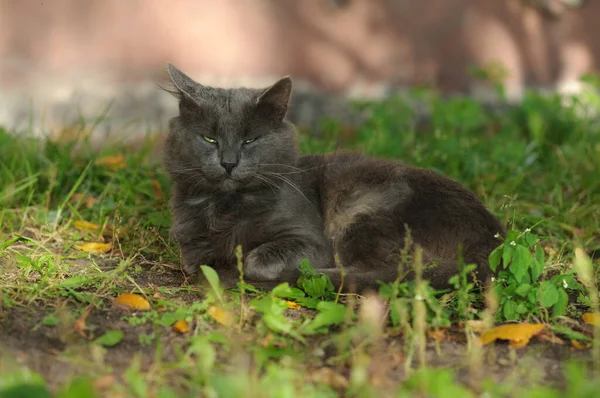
(261, 265)
(191, 258)
(190, 268)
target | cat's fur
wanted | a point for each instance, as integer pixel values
(282, 207)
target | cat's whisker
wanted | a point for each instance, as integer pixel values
(269, 183)
(291, 184)
(298, 170)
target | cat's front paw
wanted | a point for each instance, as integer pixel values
(261, 265)
(191, 259)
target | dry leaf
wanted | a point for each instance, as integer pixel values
(223, 317)
(112, 162)
(591, 318)
(81, 224)
(267, 340)
(329, 376)
(132, 301)
(476, 325)
(549, 337)
(104, 382)
(579, 345)
(518, 334)
(94, 247)
(80, 324)
(292, 305)
(438, 335)
(181, 326)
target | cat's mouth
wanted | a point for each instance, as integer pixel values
(230, 184)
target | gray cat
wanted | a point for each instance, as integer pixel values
(238, 180)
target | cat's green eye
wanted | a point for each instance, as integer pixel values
(208, 139)
(250, 141)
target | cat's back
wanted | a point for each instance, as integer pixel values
(355, 186)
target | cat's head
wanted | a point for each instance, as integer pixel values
(229, 139)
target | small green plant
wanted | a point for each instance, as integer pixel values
(314, 284)
(401, 297)
(520, 288)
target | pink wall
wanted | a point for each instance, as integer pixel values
(333, 44)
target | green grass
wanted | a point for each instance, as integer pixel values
(537, 166)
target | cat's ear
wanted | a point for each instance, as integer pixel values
(184, 84)
(276, 98)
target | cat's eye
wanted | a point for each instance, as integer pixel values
(251, 140)
(208, 139)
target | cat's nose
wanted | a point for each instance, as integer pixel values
(228, 166)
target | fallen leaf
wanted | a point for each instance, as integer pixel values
(579, 345)
(591, 318)
(223, 317)
(82, 224)
(329, 376)
(267, 340)
(132, 301)
(80, 324)
(104, 382)
(438, 335)
(94, 247)
(549, 337)
(181, 326)
(293, 305)
(112, 162)
(518, 334)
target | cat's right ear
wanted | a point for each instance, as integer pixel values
(183, 84)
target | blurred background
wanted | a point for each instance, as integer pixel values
(99, 62)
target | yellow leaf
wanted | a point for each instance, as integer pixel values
(132, 301)
(181, 326)
(81, 224)
(112, 162)
(438, 335)
(518, 334)
(292, 305)
(223, 317)
(94, 247)
(591, 318)
(578, 345)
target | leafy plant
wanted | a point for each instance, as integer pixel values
(519, 286)
(314, 284)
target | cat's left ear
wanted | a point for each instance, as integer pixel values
(276, 98)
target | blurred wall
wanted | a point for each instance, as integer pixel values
(62, 59)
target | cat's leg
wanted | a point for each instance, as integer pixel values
(195, 253)
(279, 260)
(370, 250)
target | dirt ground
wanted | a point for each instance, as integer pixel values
(59, 352)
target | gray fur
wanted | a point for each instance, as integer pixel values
(282, 207)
